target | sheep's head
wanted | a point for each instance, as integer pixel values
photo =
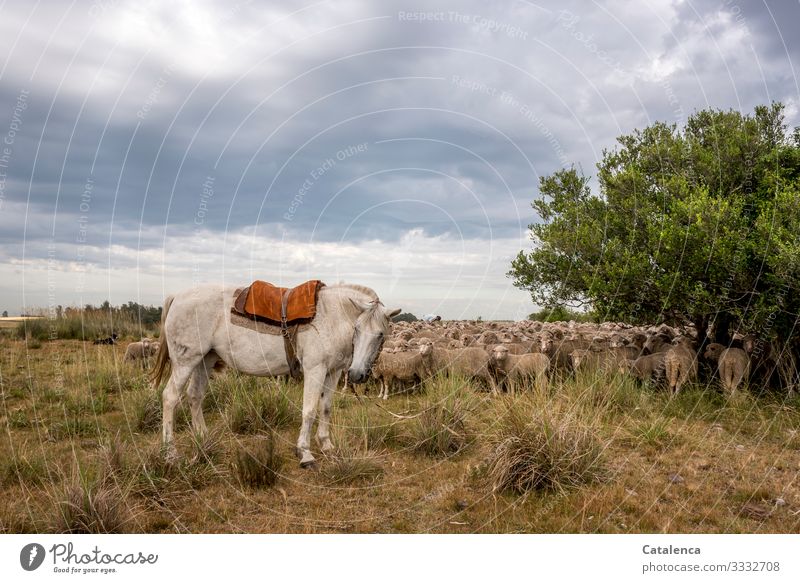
(499, 353)
(713, 351)
(684, 341)
(577, 357)
(426, 349)
(655, 341)
(617, 341)
(546, 343)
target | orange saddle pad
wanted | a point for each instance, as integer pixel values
(262, 301)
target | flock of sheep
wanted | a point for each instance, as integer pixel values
(503, 356)
(528, 353)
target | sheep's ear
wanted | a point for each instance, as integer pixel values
(393, 313)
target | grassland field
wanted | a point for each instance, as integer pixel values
(80, 452)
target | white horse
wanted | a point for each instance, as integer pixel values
(196, 333)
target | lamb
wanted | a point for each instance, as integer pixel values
(520, 367)
(401, 366)
(680, 364)
(733, 365)
(141, 350)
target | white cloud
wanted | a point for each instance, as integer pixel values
(421, 274)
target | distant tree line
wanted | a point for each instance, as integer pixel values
(132, 320)
(562, 314)
(405, 317)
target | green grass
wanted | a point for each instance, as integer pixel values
(71, 427)
(256, 406)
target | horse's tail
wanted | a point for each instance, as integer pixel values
(162, 357)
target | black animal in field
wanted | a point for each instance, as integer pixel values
(110, 340)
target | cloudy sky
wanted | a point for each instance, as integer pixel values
(153, 146)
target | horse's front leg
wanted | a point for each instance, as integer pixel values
(326, 400)
(314, 380)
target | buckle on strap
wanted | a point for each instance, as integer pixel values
(284, 304)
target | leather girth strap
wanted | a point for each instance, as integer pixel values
(289, 338)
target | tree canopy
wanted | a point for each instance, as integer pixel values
(695, 224)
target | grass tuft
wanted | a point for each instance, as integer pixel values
(23, 469)
(542, 450)
(88, 506)
(256, 463)
(346, 466)
(253, 410)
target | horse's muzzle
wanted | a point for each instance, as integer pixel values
(357, 376)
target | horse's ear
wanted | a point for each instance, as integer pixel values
(393, 313)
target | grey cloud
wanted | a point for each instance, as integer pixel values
(149, 104)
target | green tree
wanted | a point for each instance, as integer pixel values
(697, 224)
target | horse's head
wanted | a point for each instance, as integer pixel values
(371, 329)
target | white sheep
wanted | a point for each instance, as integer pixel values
(521, 367)
(401, 366)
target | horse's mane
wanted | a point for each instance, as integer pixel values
(354, 286)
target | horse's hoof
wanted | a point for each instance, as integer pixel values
(309, 465)
(325, 445)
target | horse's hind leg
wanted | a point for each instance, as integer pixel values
(196, 390)
(170, 398)
(326, 400)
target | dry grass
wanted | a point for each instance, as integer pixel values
(256, 463)
(441, 427)
(89, 506)
(348, 466)
(540, 449)
(80, 451)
